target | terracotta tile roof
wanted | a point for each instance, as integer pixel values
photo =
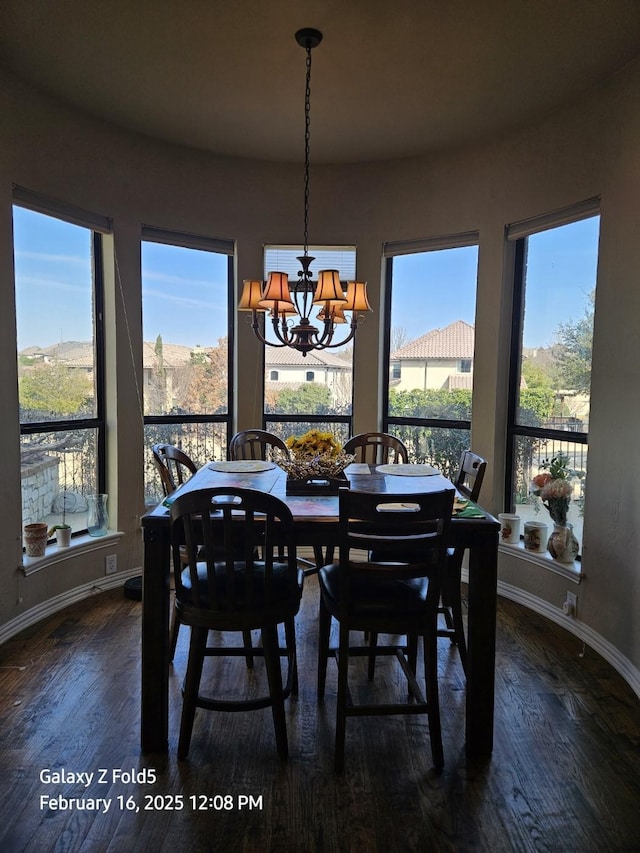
(173, 355)
(287, 357)
(454, 341)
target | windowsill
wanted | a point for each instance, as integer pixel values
(79, 545)
(573, 571)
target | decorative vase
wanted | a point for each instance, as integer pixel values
(98, 517)
(563, 545)
(35, 538)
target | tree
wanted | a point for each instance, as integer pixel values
(536, 400)
(311, 398)
(440, 446)
(156, 391)
(399, 338)
(202, 385)
(56, 389)
(573, 351)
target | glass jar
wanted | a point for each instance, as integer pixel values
(98, 517)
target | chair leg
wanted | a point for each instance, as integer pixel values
(458, 627)
(292, 659)
(341, 712)
(173, 637)
(324, 630)
(452, 600)
(372, 637)
(247, 642)
(445, 610)
(274, 676)
(430, 643)
(412, 656)
(197, 646)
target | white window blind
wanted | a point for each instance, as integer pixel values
(564, 216)
(285, 259)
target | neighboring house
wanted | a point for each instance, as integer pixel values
(442, 358)
(288, 368)
(162, 378)
(77, 354)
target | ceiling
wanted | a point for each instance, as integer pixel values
(391, 78)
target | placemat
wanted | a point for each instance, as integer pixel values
(242, 466)
(402, 470)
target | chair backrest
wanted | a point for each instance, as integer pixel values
(254, 444)
(377, 448)
(173, 465)
(240, 530)
(470, 475)
(412, 528)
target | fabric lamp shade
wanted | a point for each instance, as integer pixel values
(357, 299)
(336, 313)
(251, 296)
(277, 291)
(329, 287)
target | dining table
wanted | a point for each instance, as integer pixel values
(316, 525)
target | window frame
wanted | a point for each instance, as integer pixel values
(151, 234)
(392, 250)
(97, 225)
(518, 234)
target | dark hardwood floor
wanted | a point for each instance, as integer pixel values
(564, 776)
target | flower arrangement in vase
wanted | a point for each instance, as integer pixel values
(554, 488)
(315, 464)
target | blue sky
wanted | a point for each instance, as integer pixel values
(184, 296)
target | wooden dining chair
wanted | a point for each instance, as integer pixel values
(255, 444)
(468, 482)
(377, 448)
(174, 467)
(217, 591)
(386, 597)
(258, 444)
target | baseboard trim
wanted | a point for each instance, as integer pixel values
(591, 638)
(59, 602)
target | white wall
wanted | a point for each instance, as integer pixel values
(587, 149)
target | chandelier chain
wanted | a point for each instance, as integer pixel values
(307, 148)
(289, 305)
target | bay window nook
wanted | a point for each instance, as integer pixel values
(500, 265)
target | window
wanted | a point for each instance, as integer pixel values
(59, 298)
(314, 390)
(554, 300)
(430, 310)
(273, 376)
(186, 301)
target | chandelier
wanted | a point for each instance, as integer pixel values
(290, 304)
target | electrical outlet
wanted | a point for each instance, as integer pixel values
(570, 604)
(111, 564)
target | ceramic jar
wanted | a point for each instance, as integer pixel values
(563, 545)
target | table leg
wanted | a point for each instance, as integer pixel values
(155, 638)
(481, 646)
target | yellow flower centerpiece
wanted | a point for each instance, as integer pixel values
(315, 464)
